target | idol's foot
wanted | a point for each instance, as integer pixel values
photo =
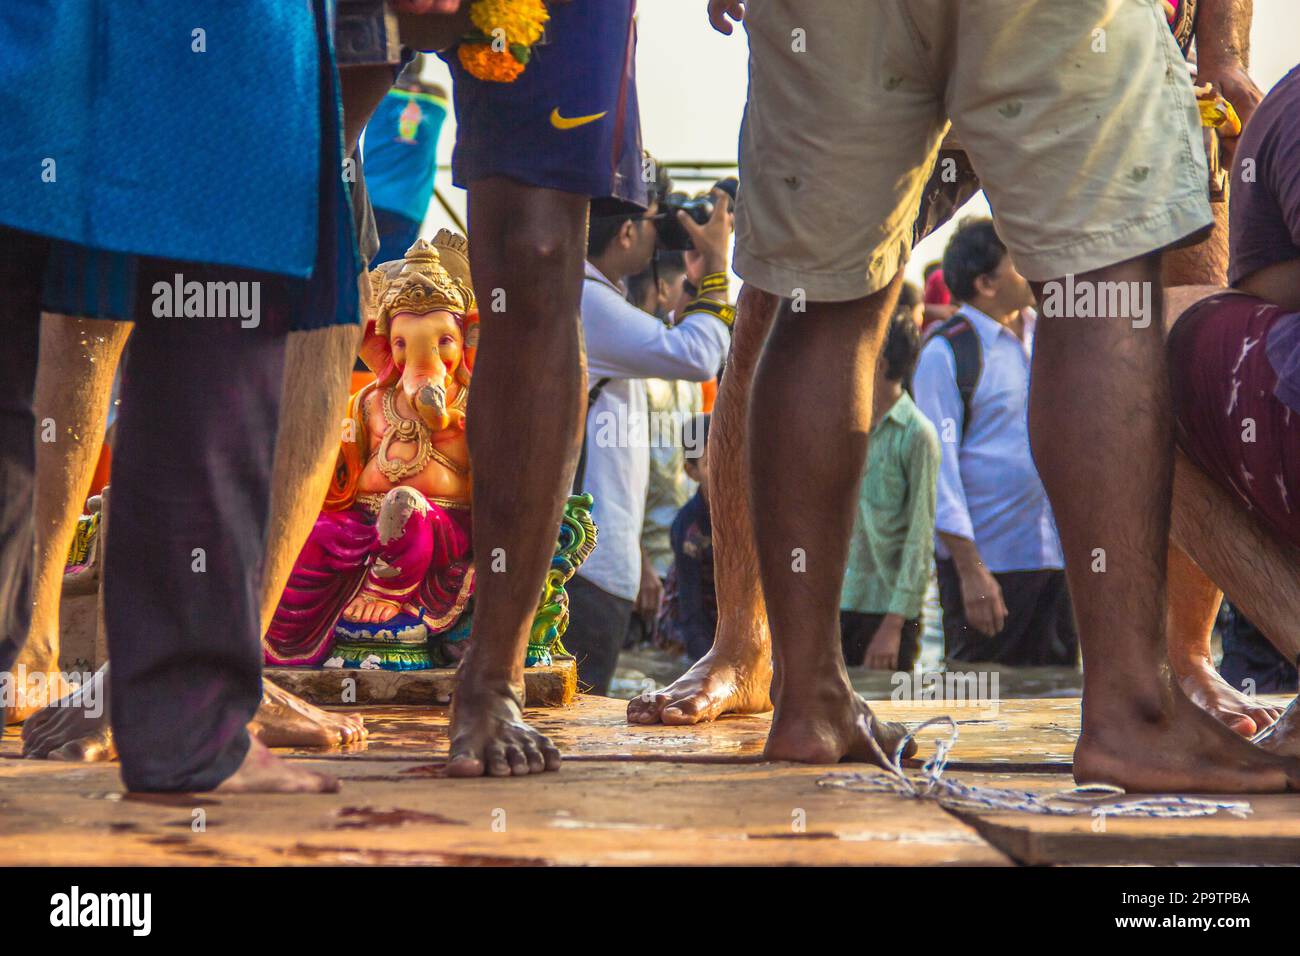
(283, 720)
(365, 609)
(1214, 695)
(1282, 737)
(734, 677)
(263, 772)
(831, 724)
(75, 727)
(488, 734)
(1173, 746)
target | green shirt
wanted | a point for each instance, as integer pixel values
(893, 531)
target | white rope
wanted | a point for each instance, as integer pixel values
(1077, 801)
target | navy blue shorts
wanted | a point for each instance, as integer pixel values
(570, 120)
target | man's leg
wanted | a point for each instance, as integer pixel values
(191, 492)
(598, 623)
(734, 677)
(810, 413)
(74, 385)
(22, 260)
(527, 254)
(1100, 426)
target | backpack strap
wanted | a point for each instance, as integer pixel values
(592, 396)
(968, 357)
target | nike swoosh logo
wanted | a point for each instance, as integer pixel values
(572, 122)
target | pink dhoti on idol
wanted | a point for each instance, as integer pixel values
(401, 548)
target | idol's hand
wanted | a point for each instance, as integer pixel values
(720, 10)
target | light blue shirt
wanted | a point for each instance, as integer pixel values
(989, 490)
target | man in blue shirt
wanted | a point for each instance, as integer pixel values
(1001, 572)
(401, 148)
(135, 200)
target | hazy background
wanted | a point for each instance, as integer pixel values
(691, 82)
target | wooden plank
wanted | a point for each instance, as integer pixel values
(1269, 835)
(552, 686)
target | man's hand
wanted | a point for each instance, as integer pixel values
(1235, 85)
(713, 238)
(650, 594)
(882, 652)
(981, 598)
(720, 10)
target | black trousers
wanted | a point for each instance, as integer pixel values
(598, 623)
(189, 504)
(857, 629)
(1040, 629)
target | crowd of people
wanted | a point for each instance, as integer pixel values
(779, 475)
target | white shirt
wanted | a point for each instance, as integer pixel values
(989, 490)
(627, 345)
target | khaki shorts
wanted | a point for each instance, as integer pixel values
(1078, 116)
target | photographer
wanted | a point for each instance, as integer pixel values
(624, 346)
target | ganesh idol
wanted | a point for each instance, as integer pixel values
(386, 574)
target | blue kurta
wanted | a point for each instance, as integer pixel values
(155, 148)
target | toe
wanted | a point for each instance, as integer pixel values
(1240, 724)
(688, 710)
(551, 754)
(533, 753)
(74, 751)
(497, 764)
(465, 764)
(517, 760)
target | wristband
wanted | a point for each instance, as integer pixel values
(714, 282)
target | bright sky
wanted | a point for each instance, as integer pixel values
(691, 83)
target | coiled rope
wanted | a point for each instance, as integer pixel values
(930, 784)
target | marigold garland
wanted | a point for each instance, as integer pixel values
(517, 24)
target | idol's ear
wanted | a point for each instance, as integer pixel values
(377, 352)
(470, 350)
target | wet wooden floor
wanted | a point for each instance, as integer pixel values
(626, 795)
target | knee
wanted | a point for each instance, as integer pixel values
(539, 245)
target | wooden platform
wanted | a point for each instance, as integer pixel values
(626, 795)
(552, 686)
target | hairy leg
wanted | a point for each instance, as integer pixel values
(810, 413)
(734, 677)
(528, 250)
(1106, 458)
(74, 383)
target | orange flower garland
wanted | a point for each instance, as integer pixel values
(501, 44)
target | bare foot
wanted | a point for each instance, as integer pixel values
(283, 720)
(732, 678)
(832, 727)
(1282, 737)
(1175, 746)
(75, 727)
(1214, 695)
(488, 735)
(263, 772)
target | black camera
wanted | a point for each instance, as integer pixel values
(670, 233)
